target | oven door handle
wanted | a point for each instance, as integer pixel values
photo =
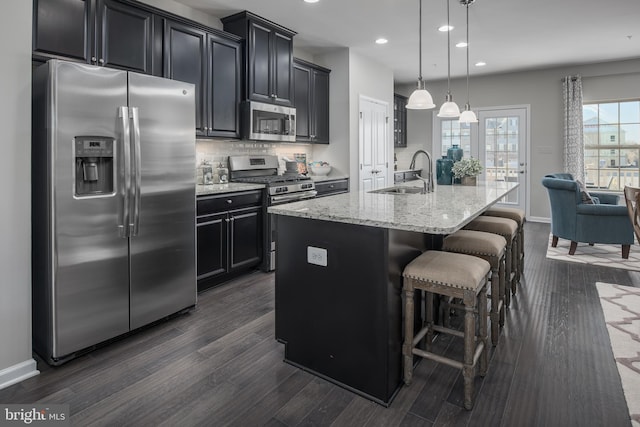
(293, 197)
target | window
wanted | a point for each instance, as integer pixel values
(611, 132)
(455, 133)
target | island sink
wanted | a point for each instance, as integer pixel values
(398, 190)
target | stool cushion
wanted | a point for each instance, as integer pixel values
(449, 269)
(475, 243)
(505, 227)
(512, 213)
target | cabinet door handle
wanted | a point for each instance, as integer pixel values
(101, 61)
(273, 95)
(226, 219)
(229, 201)
(93, 59)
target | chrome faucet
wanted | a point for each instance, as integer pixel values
(428, 181)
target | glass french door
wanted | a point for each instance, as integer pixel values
(502, 149)
(499, 140)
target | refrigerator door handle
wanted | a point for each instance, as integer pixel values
(137, 166)
(124, 173)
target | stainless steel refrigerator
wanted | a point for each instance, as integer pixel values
(113, 204)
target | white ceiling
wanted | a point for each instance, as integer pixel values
(508, 35)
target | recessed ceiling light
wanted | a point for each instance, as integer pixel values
(446, 28)
(462, 44)
(480, 64)
(382, 40)
(311, 1)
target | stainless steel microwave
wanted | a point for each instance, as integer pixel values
(268, 122)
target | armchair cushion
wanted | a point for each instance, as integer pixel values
(586, 197)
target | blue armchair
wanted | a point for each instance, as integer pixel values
(601, 222)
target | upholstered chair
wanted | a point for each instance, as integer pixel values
(601, 221)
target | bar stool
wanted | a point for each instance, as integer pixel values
(492, 248)
(457, 276)
(518, 216)
(508, 229)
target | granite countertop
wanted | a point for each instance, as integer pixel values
(444, 211)
(230, 187)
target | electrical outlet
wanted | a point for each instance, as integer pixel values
(317, 256)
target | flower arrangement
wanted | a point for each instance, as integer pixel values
(468, 166)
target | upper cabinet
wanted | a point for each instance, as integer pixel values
(100, 32)
(311, 99)
(185, 59)
(213, 64)
(399, 120)
(268, 57)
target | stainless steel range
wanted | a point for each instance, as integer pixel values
(279, 189)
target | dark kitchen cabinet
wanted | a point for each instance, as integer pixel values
(311, 99)
(213, 64)
(185, 59)
(229, 236)
(268, 57)
(224, 86)
(399, 120)
(100, 32)
(331, 187)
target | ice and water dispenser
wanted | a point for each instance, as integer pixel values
(94, 166)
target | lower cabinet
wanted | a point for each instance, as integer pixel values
(229, 236)
(331, 187)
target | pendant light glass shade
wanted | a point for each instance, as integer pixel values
(449, 108)
(467, 115)
(420, 99)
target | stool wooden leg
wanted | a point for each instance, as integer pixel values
(515, 262)
(507, 274)
(495, 305)
(407, 349)
(429, 316)
(482, 330)
(502, 291)
(469, 347)
(521, 250)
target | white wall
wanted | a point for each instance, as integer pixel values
(186, 12)
(352, 75)
(374, 80)
(337, 152)
(542, 90)
(16, 362)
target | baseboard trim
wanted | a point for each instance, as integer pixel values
(539, 219)
(17, 373)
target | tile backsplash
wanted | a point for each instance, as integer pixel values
(217, 151)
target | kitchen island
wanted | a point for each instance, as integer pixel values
(339, 263)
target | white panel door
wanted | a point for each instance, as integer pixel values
(373, 144)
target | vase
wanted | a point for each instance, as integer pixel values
(444, 176)
(468, 180)
(455, 153)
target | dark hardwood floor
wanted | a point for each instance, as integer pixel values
(220, 365)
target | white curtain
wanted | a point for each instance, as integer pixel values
(573, 144)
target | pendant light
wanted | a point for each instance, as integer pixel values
(449, 108)
(420, 99)
(467, 115)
